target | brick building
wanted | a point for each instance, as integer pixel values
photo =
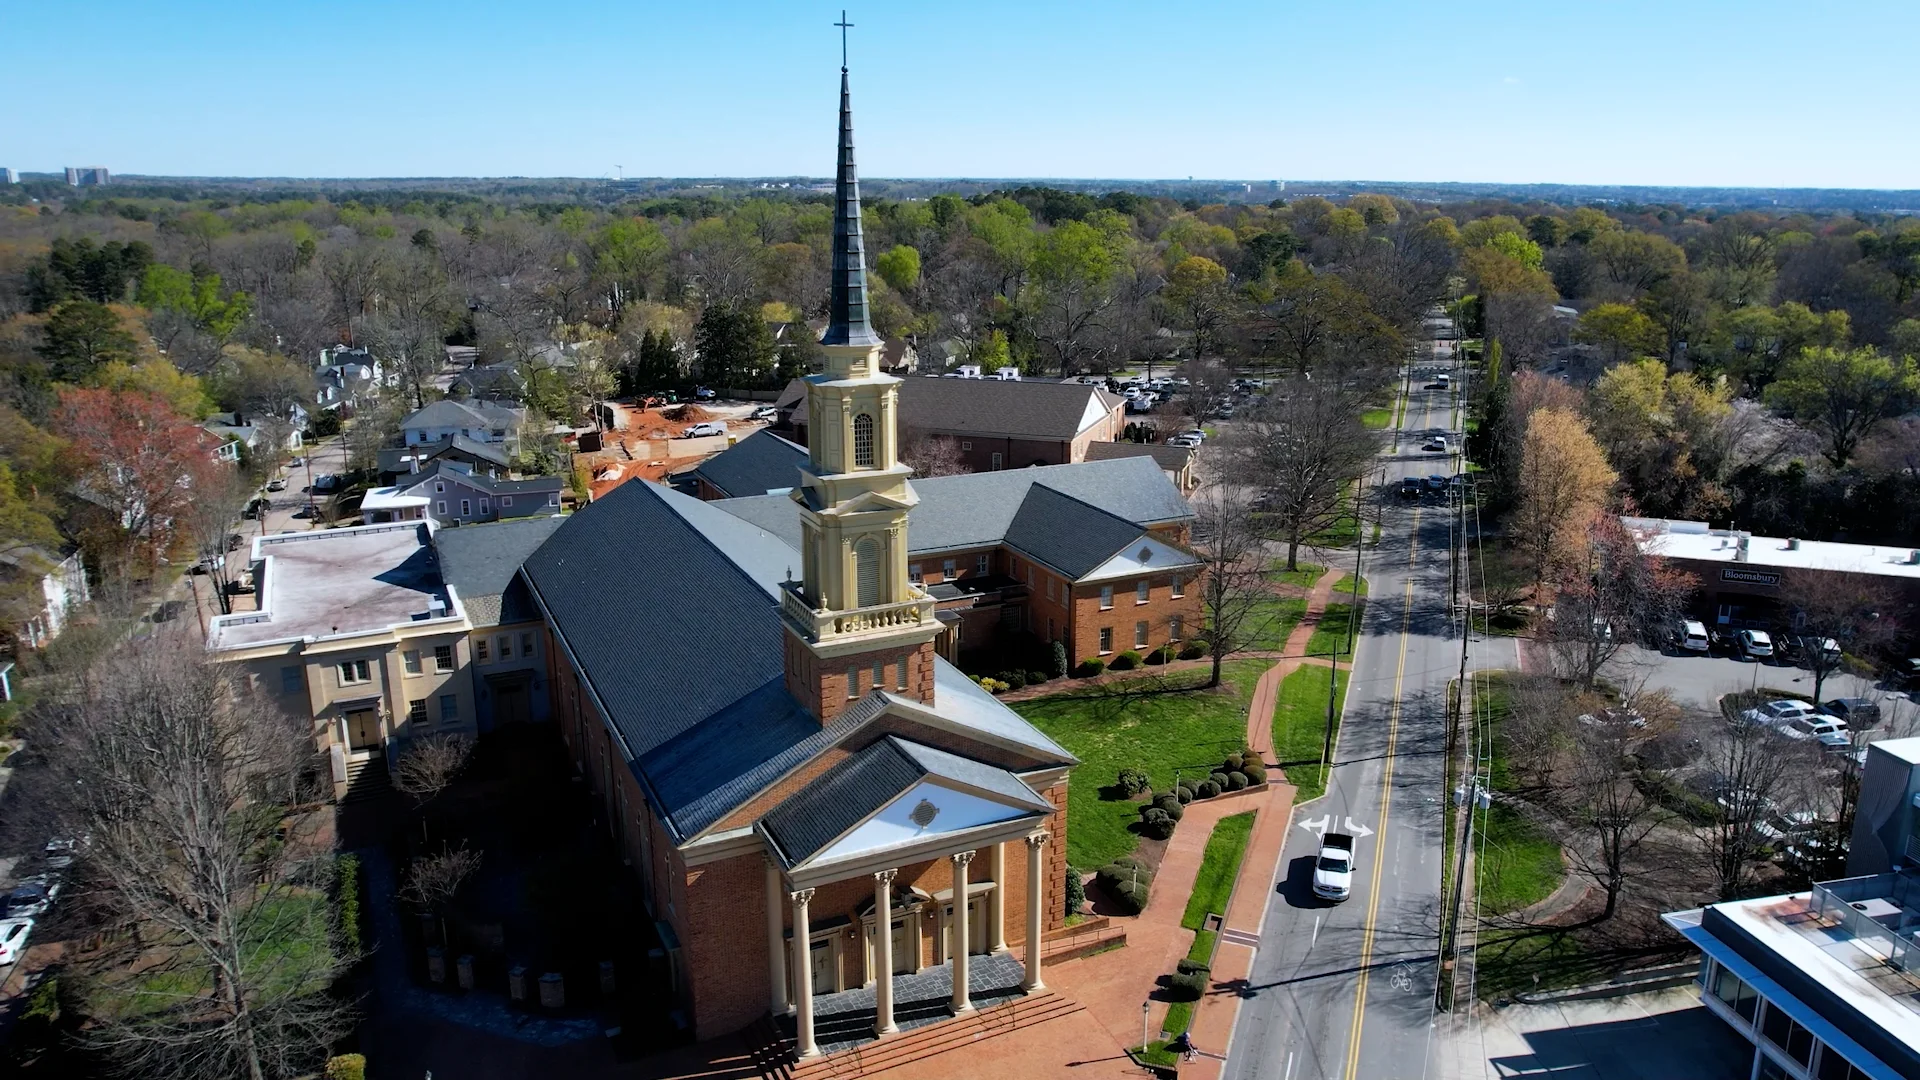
(1004, 425)
(814, 801)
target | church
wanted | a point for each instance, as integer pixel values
(816, 802)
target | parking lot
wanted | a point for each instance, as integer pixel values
(1698, 681)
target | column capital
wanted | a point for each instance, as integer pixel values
(961, 858)
(1035, 839)
(800, 896)
(884, 878)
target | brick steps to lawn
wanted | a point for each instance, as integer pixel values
(774, 1053)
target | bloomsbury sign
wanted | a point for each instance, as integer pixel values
(1750, 577)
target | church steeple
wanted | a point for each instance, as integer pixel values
(847, 318)
(855, 622)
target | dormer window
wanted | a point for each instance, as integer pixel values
(863, 440)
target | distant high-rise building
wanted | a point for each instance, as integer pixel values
(8, 176)
(87, 176)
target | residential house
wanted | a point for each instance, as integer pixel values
(1091, 555)
(235, 430)
(1825, 984)
(358, 630)
(446, 493)
(507, 642)
(479, 458)
(50, 586)
(1003, 424)
(480, 421)
(1175, 461)
(347, 378)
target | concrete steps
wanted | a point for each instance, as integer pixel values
(926, 1042)
(367, 780)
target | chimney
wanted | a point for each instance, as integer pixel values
(1913, 557)
(1740, 549)
(1793, 543)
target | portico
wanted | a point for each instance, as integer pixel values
(892, 864)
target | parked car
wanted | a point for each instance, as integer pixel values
(1908, 673)
(1187, 441)
(1689, 635)
(276, 484)
(1722, 643)
(701, 393)
(1755, 644)
(1779, 711)
(1436, 482)
(296, 462)
(31, 898)
(764, 412)
(1859, 713)
(13, 938)
(59, 852)
(704, 429)
(1198, 436)
(1813, 726)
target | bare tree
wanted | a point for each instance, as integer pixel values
(1306, 447)
(429, 767)
(1857, 611)
(1612, 806)
(183, 786)
(434, 881)
(1604, 598)
(1233, 556)
(932, 455)
(1749, 767)
(218, 497)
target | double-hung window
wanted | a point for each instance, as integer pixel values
(1106, 640)
(1140, 635)
(1106, 598)
(353, 672)
(1142, 591)
(443, 658)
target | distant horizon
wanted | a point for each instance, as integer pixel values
(1646, 93)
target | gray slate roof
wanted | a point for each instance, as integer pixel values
(760, 463)
(855, 789)
(1047, 411)
(1067, 534)
(448, 413)
(390, 456)
(543, 485)
(668, 606)
(977, 509)
(482, 563)
(1173, 458)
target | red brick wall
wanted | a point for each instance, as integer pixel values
(820, 686)
(965, 564)
(1157, 612)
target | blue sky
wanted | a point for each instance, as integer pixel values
(1762, 92)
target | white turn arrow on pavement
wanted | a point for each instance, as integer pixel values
(1358, 830)
(1318, 826)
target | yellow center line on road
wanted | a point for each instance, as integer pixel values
(1386, 805)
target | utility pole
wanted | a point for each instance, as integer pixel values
(1463, 717)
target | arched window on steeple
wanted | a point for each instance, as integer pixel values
(866, 572)
(863, 440)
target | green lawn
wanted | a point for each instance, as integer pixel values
(1377, 419)
(1301, 578)
(1519, 863)
(1219, 865)
(1330, 636)
(1163, 725)
(1300, 725)
(1344, 532)
(1271, 621)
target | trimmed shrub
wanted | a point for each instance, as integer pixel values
(1035, 678)
(1126, 661)
(1193, 650)
(992, 686)
(1188, 967)
(1090, 667)
(1172, 805)
(346, 901)
(1233, 761)
(1184, 793)
(347, 1067)
(1129, 897)
(1060, 664)
(1157, 824)
(1207, 790)
(1132, 781)
(1134, 862)
(1115, 874)
(1236, 781)
(1075, 892)
(1160, 655)
(1012, 680)
(1256, 772)
(1219, 780)
(1187, 986)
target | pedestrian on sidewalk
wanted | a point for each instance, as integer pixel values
(1182, 1045)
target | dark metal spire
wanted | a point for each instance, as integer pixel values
(847, 313)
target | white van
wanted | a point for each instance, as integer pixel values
(1689, 636)
(702, 430)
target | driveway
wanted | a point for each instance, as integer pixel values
(1699, 681)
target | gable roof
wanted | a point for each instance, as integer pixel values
(683, 652)
(449, 413)
(442, 470)
(759, 464)
(977, 509)
(1172, 458)
(1067, 534)
(856, 789)
(391, 457)
(990, 407)
(482, 563)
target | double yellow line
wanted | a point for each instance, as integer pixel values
(1380, 831)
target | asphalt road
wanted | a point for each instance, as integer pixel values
(1345, 991)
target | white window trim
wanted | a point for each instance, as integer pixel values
(1106, 640)
(506, 501)
(1106, 598)
(1142, 593)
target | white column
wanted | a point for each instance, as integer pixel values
(1036, 908)
(957, 929)
(776, 940)
(997, 899)
(883, 953)
(802, 974)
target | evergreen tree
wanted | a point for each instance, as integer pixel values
(735, 348)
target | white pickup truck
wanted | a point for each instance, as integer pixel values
(1333, 869)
